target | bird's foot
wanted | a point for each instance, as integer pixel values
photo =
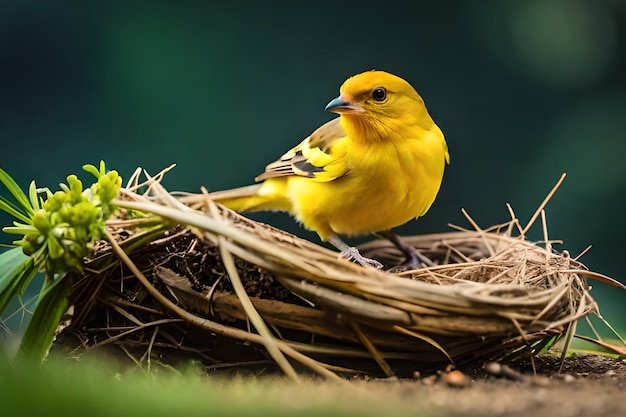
(418, 259)
(352, 254)
(414, 260)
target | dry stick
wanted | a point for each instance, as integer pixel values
(595, 276)
(130, 356)
(134, 179)
(127, 315)
(211, 325)
(113, 301)
(137, 328)
(615, 333)
(479, 230)
(543, 204)
(607, 324)
(148, 353)
(593, 328)
(346, 351)
(372, 350)
(619, 350)
(582, 253)
(152, 181)
(426, 339)
(268, 340)
(544, 224)
(569, 334)
(514, 219)
(523, 334)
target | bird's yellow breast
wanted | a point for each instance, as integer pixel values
(387, 184)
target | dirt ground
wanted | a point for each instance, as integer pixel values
(588, 385)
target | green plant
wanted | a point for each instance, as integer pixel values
(58, 230)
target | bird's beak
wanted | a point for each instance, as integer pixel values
(341, 105)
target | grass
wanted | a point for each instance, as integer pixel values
(71, 389)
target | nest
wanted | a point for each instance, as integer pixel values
(194, 280)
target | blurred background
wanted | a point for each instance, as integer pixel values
(523, 90)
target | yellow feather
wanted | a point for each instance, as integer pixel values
(377, 166)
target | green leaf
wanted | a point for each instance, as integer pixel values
(51, 306)
(16, 191)
(16, 272)
(13, 210)
(33, 194)
(92, 170)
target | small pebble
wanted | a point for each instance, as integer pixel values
(498, 369)
(456, 378)
(493, 368)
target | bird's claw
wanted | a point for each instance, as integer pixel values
(353, 255)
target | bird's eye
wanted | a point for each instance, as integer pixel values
(379, 94)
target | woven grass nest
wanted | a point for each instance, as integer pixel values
(231, 292)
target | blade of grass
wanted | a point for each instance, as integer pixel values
(17, 271)
(17, 192)
(13, 210)
(51, 306)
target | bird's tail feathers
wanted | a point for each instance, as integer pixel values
(257, 197)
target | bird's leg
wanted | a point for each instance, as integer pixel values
(413, 256)
(351, 253)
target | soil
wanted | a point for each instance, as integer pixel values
(588, 385)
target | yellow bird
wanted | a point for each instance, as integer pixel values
(377, 166)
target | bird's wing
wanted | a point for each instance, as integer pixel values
(312, 158)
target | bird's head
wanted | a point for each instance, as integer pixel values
(377, 96)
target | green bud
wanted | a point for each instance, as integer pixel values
(55, 249)
(35, 239)
(41, 221)
(27, 247)
(76, 188)
(65, 214)
(108, 186)
(82, 234)
(54, 202)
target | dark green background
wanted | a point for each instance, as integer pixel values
(523, 90)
